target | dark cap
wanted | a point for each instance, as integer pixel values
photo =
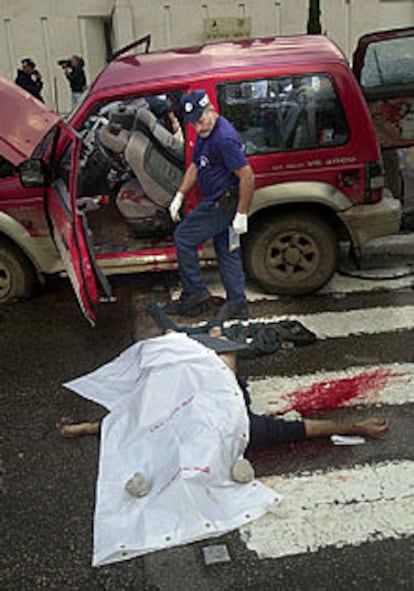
(218, 345)
(160, 105)
(194, 104)
(27, 61)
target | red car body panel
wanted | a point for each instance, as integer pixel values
(343, 168)
(24, 122)
(70, 239)
(391, 106)
(190, 64)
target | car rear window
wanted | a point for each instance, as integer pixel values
(285, 113)
(388, 63)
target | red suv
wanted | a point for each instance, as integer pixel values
(96, 186)
(384, 67)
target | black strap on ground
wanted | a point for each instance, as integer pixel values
(261, 338)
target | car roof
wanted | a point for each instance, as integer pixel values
(207, 60)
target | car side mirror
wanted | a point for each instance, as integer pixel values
(32, 173)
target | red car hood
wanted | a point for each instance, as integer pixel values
(24, 121)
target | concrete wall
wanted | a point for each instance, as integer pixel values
(180, 22)
(347, 20)
(47, 30)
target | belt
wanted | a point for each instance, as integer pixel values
(227, 200)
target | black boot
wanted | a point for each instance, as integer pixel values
(229, 311)
(189, 304)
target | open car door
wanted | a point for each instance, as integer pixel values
(70, 232)
(384, 66)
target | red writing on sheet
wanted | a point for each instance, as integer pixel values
(203, 469)
(177, 409)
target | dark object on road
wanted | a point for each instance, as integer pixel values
(259, 338)
(219, 345)
(229, 311)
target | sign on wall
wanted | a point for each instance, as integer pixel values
(226, 29)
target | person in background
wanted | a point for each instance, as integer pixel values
(29, 78)
(74, 72)
(163, 109)
(226, 181)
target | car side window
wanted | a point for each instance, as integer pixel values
(284, 114)
(388, 63)
(6, 168)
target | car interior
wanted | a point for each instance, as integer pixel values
(133, 157)
(132, 162)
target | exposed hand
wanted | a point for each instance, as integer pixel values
(175, 206)
(240, 223)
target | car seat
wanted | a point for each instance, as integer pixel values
(156, 158)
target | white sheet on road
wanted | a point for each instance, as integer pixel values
(178, 416)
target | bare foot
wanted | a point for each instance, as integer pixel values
(67, 429)
(63, 423)
(376, 428)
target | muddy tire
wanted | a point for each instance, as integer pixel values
(17, 276)
(291, 254)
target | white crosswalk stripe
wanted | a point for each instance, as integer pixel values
(341, 506)
(349, 322)
(343, 324)
(388, 384)
(346, 506)
(335, 508)
(341, 284)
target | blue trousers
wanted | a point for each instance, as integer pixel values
(207, 220)
(266, 431)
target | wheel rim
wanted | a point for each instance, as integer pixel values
(292, 256)
(5, 280)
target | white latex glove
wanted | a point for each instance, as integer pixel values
(240, 223)
(175, 206)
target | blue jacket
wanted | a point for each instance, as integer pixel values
(29, 84)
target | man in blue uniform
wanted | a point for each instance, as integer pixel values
(226, 181)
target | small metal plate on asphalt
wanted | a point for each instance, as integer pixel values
(215, 554)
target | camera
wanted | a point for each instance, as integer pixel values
(65, 63)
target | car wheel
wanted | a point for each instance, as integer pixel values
(17, 276)
(292, 254)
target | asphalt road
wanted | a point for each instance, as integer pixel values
(47, 483)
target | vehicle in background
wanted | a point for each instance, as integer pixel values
(383, 64)
(96, 186)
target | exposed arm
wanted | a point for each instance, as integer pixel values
(189, 179)
(246, 188)
(372, 427)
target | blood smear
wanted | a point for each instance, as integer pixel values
(337, 393)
